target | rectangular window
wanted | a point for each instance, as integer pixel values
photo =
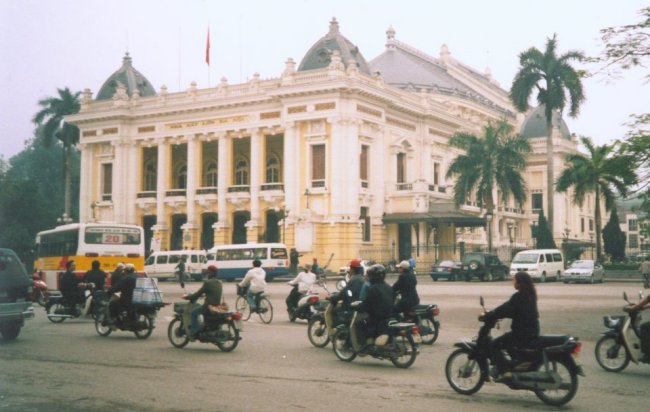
(582, 224)
(536, 201)
(363, 163)
(632, 224)
(107, 181)
(318, 165)
(591, 225)
(634, 241)
(365, 224)
(401, 168)
(436, 173)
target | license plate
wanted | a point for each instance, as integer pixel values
(417, 338)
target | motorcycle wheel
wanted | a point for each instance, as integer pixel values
(431, 337)
(265, 310)
(101, 326)
(405, 352)
(567, 389)
(241, 305)
(52, 311)
(464, 375)
(147, 326)
(10, 331)
(606, 347)
(342, 346)
(317, 332)
(176, 334)
(233, 337)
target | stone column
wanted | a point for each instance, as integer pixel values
(257, 160)
(118, 197)
(190, 228)
(85, 178)
(133, 179)
(221, 227)
(336, 184)
(161, 186)
(291, 172)
(352, 180)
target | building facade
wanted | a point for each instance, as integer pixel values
(337, 156)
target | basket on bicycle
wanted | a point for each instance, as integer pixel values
(242, 290)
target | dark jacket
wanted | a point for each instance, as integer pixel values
(406, 286)
(524, 315)
(69, 286)
(116, 277)
(125, 286)
(378, 303)
(212, 289)
(354, 286)
(96, 276)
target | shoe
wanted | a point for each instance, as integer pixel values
(503, 377)
(644, 359)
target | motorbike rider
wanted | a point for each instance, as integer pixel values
(72, 286)
(256, 278)
(117, 274)
(644, 329)
(406, 286)
(378, 303)
(125, 286)
(522, 309)
(305, 280)
(354, 285)
(212, 289)
(95, 275)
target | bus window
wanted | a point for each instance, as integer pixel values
(194, 259)
(259, 253)
(278, 253)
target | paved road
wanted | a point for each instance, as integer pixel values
(68, 367)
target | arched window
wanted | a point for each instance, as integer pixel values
(241, 172)
(272, 169)
(150, 176)
(210, 174)
(181, 177)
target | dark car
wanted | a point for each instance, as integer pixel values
(446, 269)
(15, 287)
(485, 266)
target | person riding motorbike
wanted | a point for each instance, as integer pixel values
(378, 303)
(125, 286)
(256, 277)
(305, 280)
(71, 286)
(522, 309)
(117, 274)
(353, 286)
(406, 286)
(212, 289)
(644, 329)
(95, 275)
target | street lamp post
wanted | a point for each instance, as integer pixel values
(488, 219)
(591, 239)
(307, 194)
(64, 219)
(284, 213)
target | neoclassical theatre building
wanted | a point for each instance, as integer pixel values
(338, 154)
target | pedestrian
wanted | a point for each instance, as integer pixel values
(293, 259)
(645, 272)
(180, 269)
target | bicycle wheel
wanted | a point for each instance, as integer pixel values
(265, 310)
(241, 305)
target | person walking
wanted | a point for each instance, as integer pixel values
(293, 259)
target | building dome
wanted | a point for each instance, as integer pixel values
(319, 55)
(129, 77)
(535, 124)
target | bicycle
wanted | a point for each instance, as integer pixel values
(263, 306)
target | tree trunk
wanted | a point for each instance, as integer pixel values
(597, 223)
(550, 183)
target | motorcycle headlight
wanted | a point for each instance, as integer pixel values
(611, 322)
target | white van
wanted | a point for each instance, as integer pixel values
(539, 263)
(163, 264)
(233, 261)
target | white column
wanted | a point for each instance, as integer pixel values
(161, 184)
(191, 180)
(337, 171)
(223, 178)
(291, 173)
(85, 178)
(133, 180)
(118, 189)
(352, 179)
(256, 160)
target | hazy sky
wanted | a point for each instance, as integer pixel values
(47, 45)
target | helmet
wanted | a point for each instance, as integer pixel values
(355, 263)
(404, 264)
(129, 267)
(119, 266)
(376, 273)
(212, 268)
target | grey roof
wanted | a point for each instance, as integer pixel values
(535, 124)
(128, 76)
(319, 55)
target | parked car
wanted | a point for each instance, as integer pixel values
(446, 269)
(485, 266)
(584, 271)
(15, 290)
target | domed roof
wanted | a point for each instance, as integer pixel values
(535, 124)
(129, 77)
(319, 56)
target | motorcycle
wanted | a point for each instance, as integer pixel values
(322, 324)
(310, 303)
(426, 317)
(545, 366)
(221, 329)
(59, 309)
(40, 294)
(622, 342)
(139, 319)
(399, 343)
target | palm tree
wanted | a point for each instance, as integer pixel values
(553, 77)
(494, 160)
(52, 128)
(599, 173)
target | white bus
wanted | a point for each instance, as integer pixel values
(109, 243)
(233, 261)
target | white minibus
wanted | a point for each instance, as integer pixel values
(233, 261)
(539, 263)
(163, 264)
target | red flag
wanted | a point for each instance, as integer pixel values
(207, 49)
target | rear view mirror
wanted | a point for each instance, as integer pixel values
(625, 297)
(482, 302)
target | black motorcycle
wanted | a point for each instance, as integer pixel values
(545, 366)
(219, 328)
(309, 303)
(139, 318)
(322, 324)
(59, 308)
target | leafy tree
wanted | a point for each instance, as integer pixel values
(553, 77)
(627, 46)
(602, 173)
(494, 160)
(543, 233)
(614, 238)
(52, 128)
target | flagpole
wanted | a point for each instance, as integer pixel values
(207, 55)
